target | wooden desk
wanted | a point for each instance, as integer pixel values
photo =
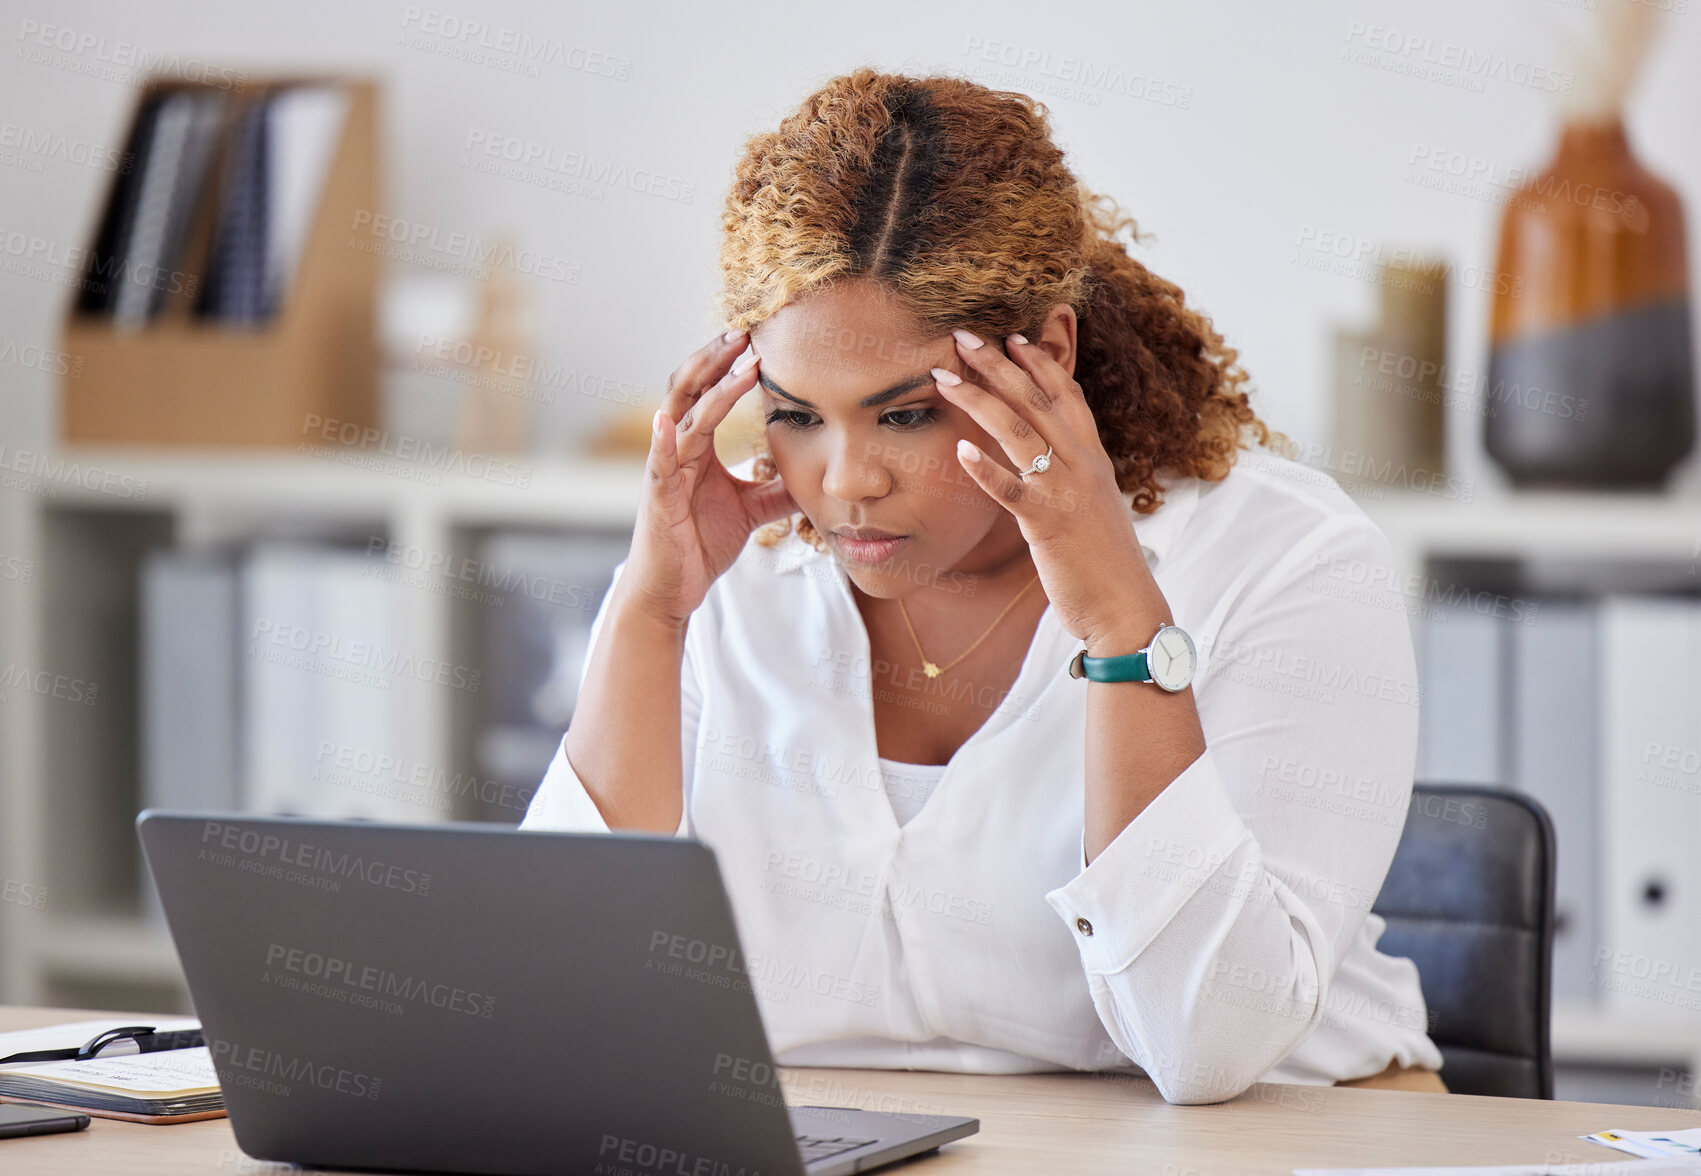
(1068, 1124)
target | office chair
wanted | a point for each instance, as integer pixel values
(1469, 899)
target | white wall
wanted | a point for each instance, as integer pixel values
(1279, 132)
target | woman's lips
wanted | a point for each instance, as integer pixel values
(871, 551)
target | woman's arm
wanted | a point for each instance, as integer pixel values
(694, 519)
(1139, 737)
(623, 742)
(1211, 925)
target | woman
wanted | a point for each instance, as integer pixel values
(997, 445)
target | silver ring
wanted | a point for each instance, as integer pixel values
(1041, 464)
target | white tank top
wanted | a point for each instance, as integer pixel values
(909, 785)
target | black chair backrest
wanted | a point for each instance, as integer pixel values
(1469, 899)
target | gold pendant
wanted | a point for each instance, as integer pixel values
(932, 670)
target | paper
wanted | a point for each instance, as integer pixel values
(1651, 1143)
(166, 1074)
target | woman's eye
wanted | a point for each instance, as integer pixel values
(788, 416)
(913, 418)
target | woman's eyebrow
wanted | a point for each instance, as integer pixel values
(896, 390)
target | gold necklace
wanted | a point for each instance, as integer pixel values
(933, 671)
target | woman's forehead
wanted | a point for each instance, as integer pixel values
(840, 315)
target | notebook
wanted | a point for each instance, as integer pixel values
(168, 1086)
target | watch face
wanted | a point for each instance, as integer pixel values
(1171, 659)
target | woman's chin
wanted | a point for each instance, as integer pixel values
(870, 582)
(900, 576)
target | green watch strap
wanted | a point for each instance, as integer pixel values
(1127, 667)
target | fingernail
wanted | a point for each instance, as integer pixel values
(656, 423)
(946, 377)
(966, 450)
(731, 334)
(966, 338)
(1018, 339)
(744, 361)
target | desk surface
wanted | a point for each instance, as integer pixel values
(1032, 1123)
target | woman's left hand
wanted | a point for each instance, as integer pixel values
(1076, 519)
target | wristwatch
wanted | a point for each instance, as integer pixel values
(1167, 662)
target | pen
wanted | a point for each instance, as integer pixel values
(140, 1039)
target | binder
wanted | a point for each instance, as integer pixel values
(278, 703)
(189, 704)
(1650, 698)
(325, 682)
(1553, 664)
(173, 169)
(108, 260)
(307, 123)
(1462, 668)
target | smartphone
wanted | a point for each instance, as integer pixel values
(29, 1119)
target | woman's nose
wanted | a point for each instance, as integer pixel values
(856, 470)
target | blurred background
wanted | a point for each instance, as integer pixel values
(330, 335)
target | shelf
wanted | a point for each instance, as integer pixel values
(524, 489)
(1582, 1033)
(354, 482)
(1543, 523)
(85, 525)
(559, 490)
(186, 496)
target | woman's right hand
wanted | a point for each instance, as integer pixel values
(693, 516)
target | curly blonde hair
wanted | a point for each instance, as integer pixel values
(954, 199)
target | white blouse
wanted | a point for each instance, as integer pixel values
(909, 785)
(1224, 937)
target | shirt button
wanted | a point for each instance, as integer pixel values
(1084, 927)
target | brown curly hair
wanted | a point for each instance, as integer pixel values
(953, 197)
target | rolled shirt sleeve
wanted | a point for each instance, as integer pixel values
(1211, 927)
(561, 802)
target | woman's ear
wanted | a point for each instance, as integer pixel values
(1057, 336)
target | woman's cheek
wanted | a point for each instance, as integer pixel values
(946, 473)
(793, 469)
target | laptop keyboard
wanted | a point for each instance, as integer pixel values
(816, 1147)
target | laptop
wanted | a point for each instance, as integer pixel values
(475, 998)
